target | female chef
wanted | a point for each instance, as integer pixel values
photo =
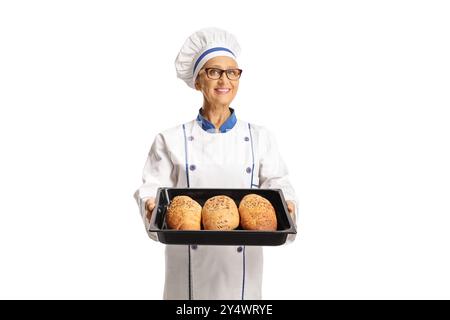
(215, 150)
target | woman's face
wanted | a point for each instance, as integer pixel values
(221, 91)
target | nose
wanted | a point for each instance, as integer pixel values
(223, 78)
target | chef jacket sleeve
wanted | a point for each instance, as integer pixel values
(158, 172)
(273, 172)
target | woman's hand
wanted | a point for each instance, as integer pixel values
(291, 207)
(149, 206)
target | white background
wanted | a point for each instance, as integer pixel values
(357, 93)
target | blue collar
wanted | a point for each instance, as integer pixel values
(209, 127)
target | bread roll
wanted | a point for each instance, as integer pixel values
(220, 213)
(184, 213)
(257, 213)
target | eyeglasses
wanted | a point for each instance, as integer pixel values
(216, 74)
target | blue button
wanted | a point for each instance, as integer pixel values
(192, 167)
(239, 249)
(190, 138)
(194, 247)
(248, 170)
(246, 138)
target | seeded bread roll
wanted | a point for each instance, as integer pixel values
(220, 213)
(257, 213)
(184, 213)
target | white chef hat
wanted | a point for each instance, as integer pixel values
(201, 46)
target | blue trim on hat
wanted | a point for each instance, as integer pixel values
(208, 52)
(209, 127)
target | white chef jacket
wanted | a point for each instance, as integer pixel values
(195, 154)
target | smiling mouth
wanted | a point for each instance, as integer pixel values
(222, 90)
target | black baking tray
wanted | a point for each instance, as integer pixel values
(213, 237)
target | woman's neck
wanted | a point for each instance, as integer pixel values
(217, 114)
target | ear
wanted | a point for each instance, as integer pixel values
(197, 85)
